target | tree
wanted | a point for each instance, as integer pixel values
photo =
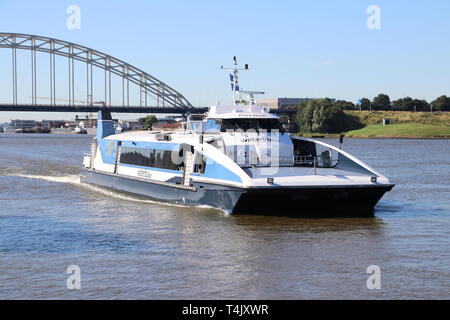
(148, 122)
(403, 104)
(441, 104)
(304, 114)
(345, 105)
(381, 102)
(365, 104)
(420, 105)
(408, 104)
(397, 105)
(324, 116)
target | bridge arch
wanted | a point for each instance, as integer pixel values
(148, 85)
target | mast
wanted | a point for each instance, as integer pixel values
(235, 83)
(234, 77)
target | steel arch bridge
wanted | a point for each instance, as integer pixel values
(167, 99)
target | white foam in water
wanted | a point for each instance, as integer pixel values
(75, 180)
(72, 179)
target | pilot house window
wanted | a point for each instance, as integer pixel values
(267, 125)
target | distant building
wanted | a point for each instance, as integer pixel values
(279, 103)
(131, 125)
(171, 119)
(23, 124)
(53, 123)
(28, 124)
(174, 126)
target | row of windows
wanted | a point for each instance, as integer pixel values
(162, 159)
(223, 125)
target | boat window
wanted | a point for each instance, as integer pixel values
(149, 158)
(304, 153)
(212, 125)
(252, 124)
(270, 124)
(199, 163)
(196, 126)
(200, 167)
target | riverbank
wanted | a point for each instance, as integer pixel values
(404, 125)
(402, 130)
(399, 117)
(392, 131)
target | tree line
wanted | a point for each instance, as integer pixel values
(328, 116)
(324, 116)
(382, 102)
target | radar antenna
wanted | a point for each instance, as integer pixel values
(234, 77)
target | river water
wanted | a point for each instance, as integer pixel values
(132, 248)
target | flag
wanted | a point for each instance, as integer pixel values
(232, 83)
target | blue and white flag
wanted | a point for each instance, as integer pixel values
(232, 83)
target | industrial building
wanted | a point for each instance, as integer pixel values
(23, 124)
(279, 103)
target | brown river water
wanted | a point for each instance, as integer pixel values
(132, 248)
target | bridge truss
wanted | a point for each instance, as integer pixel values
(167, 99)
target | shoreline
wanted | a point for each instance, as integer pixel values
(420, 131)
(334, 136)
(321, 136)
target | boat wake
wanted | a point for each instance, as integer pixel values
(72, 179)
(76, 181)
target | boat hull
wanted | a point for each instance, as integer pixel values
(327, 201)
(278, 201)
(221, 197)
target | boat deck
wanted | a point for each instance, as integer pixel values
(265, 172)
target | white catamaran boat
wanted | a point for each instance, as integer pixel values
(236, 158)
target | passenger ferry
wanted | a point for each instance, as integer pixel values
(236, 158)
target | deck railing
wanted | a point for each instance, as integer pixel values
(321, 161)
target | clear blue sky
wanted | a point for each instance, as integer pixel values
(295, 48)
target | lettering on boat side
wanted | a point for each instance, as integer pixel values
(230, 309)
(251, 115)
(259, 139)
(144, 174)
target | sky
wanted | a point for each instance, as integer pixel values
(320, 48)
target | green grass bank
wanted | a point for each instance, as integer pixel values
(402, 130)
(404, 124)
